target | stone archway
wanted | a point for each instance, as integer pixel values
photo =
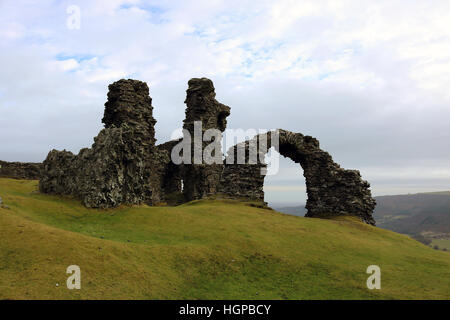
(331, 189)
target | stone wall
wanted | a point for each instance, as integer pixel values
(20, 170)
(331, 189)
(121, 165)
(170, 175)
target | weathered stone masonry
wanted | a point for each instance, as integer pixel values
(20, 170)
(201, 180)
(125, 166)
(122, 163)
(331, 189)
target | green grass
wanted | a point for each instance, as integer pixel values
(441, 243)
(202, 250)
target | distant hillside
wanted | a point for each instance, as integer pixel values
(299, 211)
(202, 250)
(419, 215)
(414, 213)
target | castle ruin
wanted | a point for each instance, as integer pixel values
(125, 166)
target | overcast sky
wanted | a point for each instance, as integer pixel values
(369, 79)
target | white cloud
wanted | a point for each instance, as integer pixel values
(69, 64)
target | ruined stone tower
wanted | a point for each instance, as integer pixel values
(117, 169)
(200, 179)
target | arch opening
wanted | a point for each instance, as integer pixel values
(285, 189)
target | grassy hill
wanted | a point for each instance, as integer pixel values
(202, 250)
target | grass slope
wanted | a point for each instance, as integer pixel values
(202, 250)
